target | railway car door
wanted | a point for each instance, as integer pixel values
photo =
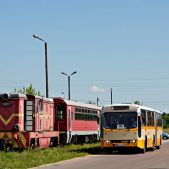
(28, 117)
(61, 120)
(70, 124)
(70, 119)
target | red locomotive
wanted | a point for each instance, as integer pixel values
(33, 121)
(76, 122)
(26, 121)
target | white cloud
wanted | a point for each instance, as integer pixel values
(97, 89)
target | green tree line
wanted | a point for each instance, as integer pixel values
(27, 90)
(165, 117)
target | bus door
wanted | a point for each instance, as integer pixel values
(139, 126)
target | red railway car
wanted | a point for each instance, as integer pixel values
(27, 121)
(76, 122)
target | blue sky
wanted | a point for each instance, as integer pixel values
(123, 45)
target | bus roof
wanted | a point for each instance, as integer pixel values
(131, 106)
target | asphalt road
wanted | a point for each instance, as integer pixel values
(158, 159)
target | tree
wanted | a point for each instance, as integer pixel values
(91, 102)
(138, 102)
(165, 117)
(28, 90)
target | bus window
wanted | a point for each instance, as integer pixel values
(159, 120)
(148, 118)
(152, 119)
(115, 119)
(143, 114)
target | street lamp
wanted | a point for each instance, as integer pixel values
(46, 63)
(69, 82)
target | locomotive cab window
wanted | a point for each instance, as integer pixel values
(39, 106)
(60, 112)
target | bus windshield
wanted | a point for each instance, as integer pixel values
(120, 120)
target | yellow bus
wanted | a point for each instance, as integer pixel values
(130, 126)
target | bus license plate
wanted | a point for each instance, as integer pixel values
(119, 145)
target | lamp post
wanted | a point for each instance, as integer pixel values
(111, 97)
(46, 63)
(69, 82)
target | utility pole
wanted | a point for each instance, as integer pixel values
(46, 63)
(97, 101)
(68, 76)
(111, 96)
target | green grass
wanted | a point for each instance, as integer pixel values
(166, 130)
(31, 158)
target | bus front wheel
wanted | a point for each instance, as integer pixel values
(145, 146)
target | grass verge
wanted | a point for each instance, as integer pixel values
(32, 158)
(166, 130)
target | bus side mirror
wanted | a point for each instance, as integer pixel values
(139, 111)
(139, 126)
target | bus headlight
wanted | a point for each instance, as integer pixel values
(132, 141)
(107, 141)
(16, 126)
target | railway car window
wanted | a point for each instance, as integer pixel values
(72, 115)
(60, 112)
(76, 116)
(76, 109)
(90, 117)
(80, 116)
